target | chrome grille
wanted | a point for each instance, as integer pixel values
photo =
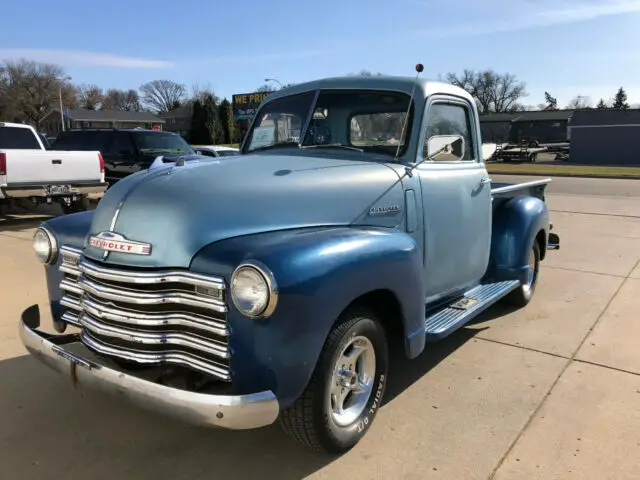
(148, 317)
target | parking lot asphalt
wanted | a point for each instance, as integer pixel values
(547, 392)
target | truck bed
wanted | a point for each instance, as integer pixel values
(534, 188)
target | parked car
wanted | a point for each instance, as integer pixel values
(235, 294)
(216, 151)
(30, 174)
(127, 151)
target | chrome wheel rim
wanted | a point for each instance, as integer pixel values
(531, 272)
(352, 381)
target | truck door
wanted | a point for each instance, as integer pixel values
(456, 198)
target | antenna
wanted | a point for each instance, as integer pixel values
(419, 69)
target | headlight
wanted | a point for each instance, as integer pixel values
(253, 290)
(45, 246)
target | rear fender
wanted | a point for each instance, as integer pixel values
(516, 224)
(319, 272)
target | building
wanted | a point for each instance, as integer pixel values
(495, 127)
(605, 137)
(79, 118)
(543, 126)
(178, 120)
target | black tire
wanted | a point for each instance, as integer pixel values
(522, 295)
(310, 420)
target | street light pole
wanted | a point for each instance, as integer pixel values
(274, 80)
(60, 97)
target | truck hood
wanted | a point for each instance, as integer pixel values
(180, 209)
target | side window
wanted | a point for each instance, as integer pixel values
(206, 153)
(450, 119)
(117, 144)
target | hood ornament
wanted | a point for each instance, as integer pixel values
(114, 242)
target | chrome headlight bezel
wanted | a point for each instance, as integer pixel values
(271, 288)
(43, 234)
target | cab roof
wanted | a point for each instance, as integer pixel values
(423, 87)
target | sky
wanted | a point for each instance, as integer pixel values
(566, 47)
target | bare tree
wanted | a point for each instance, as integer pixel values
(266, 88)
(34, 89)
(201, 92)
(90, 97)
(494, 92)
(579, 102)
(126, 100)
(163, 95)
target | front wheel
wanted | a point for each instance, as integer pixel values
(522, 295)
(346, 389)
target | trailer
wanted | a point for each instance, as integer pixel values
(524, 152)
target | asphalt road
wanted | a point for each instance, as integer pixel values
(581, 186)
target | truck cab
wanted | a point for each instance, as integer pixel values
(268, 286)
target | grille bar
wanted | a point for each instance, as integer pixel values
(149, 338)
(174, 357)
(141, 319)
(149, 278)
(146, 298)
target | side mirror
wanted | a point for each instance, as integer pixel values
(446, 148)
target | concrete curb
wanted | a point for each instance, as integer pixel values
(575, 175)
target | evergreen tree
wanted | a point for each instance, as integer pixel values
(211, 120)
(602, 105)
(620, 100)
(225, 114)
(199, 134)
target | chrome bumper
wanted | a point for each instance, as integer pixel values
(225, 411)
(43, 191)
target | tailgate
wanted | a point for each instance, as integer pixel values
(50, 166)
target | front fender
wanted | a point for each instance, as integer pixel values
(516, 224)
(319, 272)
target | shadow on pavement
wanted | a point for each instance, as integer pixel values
(18, 223)
(51, 431)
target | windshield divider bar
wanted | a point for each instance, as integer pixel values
(303, 133)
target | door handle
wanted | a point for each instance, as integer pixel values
(56, 161)
(485, 180)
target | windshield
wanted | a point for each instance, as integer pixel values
(152, 142)
(369, 120)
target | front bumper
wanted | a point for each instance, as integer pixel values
(60, 352)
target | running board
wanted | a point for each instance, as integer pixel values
(458, 313)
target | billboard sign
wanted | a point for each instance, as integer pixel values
(245, 105)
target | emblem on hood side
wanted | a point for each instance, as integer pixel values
(114, 242)
(384, 210)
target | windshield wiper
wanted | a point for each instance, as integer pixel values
(273, 145)
(334, 145)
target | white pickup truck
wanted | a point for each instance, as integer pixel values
(30, 174)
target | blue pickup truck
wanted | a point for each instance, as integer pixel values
(267, 287)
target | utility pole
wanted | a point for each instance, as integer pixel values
(60, 97)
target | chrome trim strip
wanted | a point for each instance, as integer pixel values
(72, 252)
(69, 286)
(64, 354)
(178, 358)
(147, 278)
(69, 302)
(69, 270)
(148, 338)
(71, 319)
(114, 314)
(144, 298)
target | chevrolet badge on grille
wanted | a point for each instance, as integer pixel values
(114, 242)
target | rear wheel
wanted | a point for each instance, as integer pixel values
(522, 295)
(346, 389)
